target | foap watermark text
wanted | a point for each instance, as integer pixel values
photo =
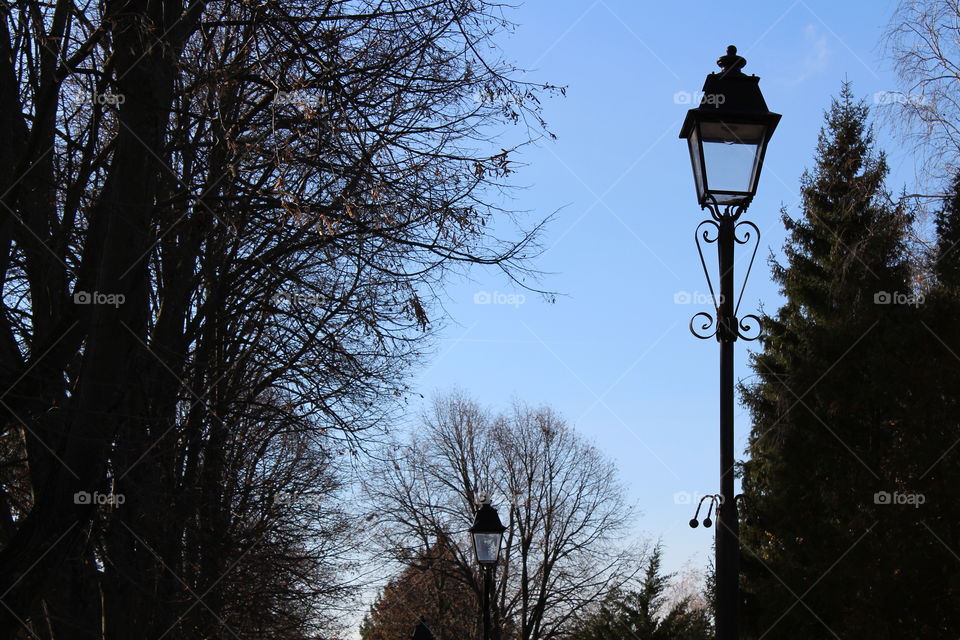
(699, 97)
(96, 297)
(495, 297)
(311, 299)
(896, 297)
(695, 297)
(899, 497)
(85, 497)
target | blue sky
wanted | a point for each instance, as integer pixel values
(614, 354)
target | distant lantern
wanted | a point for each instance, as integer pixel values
(487, 531)
(728, 134)
(422, 632)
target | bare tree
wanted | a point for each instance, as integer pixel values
(224, 223)
(923, 42)
(560, 498)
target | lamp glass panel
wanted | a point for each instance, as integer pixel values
(694, 141)
(487, 546)
(731, 154)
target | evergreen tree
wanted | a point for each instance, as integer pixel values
(430, 588)
(930, 580)
(830, 418)
(645, 613)
(709, 593)
(946, 265)
(366, 628)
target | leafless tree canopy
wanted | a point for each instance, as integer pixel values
(558, 495)
(224, 223)
(923, 41)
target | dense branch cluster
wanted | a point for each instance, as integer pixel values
(223, 227)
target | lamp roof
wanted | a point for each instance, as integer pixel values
(487, 521)
(731, 95)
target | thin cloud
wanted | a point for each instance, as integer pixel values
(816, 57)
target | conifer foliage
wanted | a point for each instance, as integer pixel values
(428, 589)
(827, 549)
(646, 613)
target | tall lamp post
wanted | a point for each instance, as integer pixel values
(727, 136)
(487, 531)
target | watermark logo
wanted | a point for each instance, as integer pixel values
(288, 498)
(95, 297)
(896, 97)
(312, 299)
(92, 97)
(699, 97)
(911, 498)
(495, 297)
(297, 98)
(695, 297)
(112, 499)
(896, 297)
(688, 497)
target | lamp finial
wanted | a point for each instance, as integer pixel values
(731, 63)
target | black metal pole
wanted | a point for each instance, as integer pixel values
(728, 526)
(487, 588)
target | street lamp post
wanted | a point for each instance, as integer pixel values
(487, 531)
(422, 631)
(727, 137)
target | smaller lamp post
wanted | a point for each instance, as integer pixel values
(487, 532)
(422, 632)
